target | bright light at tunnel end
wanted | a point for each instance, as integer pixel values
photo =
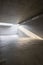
(6, 24)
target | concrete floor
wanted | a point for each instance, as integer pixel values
(21, 51)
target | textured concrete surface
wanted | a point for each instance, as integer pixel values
(14, 11)
(22, 52)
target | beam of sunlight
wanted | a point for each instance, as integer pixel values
(29, 33)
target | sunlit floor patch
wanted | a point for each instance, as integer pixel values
(6, 39)
(24, 40)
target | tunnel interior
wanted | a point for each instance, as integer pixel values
(21, 32)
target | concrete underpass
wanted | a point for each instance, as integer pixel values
(21, 32)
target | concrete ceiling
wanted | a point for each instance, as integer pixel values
(15, 11)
